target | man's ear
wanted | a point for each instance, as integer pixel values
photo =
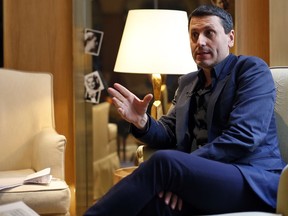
(231, 38)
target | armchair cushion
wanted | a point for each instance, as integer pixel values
(56, 194)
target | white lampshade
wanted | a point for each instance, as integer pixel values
(155, 41)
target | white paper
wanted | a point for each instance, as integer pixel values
(40, 177)
(16, 209)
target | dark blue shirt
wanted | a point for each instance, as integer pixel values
(198, 106)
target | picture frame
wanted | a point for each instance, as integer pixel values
(93, 41)
(93, 87)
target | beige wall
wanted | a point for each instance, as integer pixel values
(278, 33)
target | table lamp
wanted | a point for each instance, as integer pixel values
(156, 42)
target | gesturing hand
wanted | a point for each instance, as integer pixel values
(129, 106)
(171, 199)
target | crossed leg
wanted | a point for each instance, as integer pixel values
(205, 186)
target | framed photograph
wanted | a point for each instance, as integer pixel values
(93, 87)
(92, 41)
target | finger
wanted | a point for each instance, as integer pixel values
(147, 98)
(180, 204)
(116, 94)
(122, 113)
(111, 91)
(160, 195)
(120, 108)
(168, 197)
(174, 201)
(124, 91)
(117, 102)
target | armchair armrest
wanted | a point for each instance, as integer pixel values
(282, 194)
(49, 151)
(143, 153)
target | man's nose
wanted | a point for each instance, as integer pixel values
(201, 40)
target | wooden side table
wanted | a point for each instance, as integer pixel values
(123, 172)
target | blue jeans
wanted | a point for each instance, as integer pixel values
(205, 186)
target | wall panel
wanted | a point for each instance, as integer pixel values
(252, 28)
(278, 33)
(38, 37)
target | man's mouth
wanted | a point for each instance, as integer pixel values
(202, 53)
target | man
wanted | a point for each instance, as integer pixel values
(223, 113)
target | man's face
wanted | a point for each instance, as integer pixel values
(209, 43)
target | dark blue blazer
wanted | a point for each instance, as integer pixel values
(241, 123)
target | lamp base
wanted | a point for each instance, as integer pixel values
(156, 109)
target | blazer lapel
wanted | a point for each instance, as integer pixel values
(222, 80)
(183, 105)
(213, 99)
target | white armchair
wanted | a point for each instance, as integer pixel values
(29, 142)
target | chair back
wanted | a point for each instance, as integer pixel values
(26, 108)
(280, 76)
(100, 120)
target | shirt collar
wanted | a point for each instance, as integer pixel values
(215, 72)
(220, 66)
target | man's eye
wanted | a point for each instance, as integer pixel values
(209, 33)
(194, 35)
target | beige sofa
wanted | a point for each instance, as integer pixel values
(29, 142)
(105, 157)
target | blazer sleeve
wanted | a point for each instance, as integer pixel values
(167, 132)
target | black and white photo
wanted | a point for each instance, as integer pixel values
(93, 87)
(92, 41)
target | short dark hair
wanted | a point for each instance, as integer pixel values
(211, 10)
